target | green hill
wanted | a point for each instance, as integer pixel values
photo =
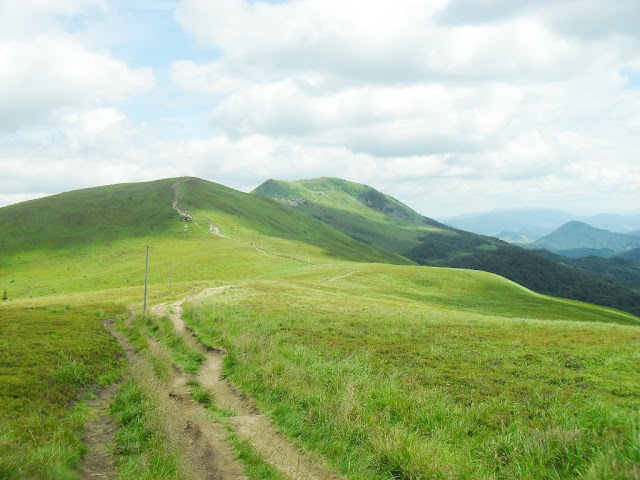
(93, 238)
(358, 210)
(633, 254)
(387, 371)
(368, 215)
(579, 235)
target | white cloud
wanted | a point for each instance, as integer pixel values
(48, 73)
(448, 105)
(24, 19)
(47, 69)
(387, 121)
(210, 79)
(375, 42)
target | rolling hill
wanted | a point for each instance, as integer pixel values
(373, 217)
(382, 368)
(633, 254)
(94, 236)
(576, 236)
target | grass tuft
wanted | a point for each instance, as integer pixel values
(200, 394)
(141, 450)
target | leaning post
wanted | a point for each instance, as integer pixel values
(146, 276)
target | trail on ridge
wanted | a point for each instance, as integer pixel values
(248, 423)
(98, 463)
(187, 217)
(201, 441)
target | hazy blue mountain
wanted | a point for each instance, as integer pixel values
(529, 223)
(573, 236)
(525, 225)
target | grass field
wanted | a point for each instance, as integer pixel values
(49, 354)
(399, 372)
(393, 371)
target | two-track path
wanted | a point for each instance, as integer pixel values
(200, 436)
(276, 449)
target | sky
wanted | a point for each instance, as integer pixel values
(450, 106)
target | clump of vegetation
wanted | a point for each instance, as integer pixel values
(161, 328)
(141, 449)
(256, 467)
(200, 394)
(4, 296)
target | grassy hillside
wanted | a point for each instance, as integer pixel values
(358, 210)
(578, 235)
(394, 226)
(94, 216)
(96, 238)
(391, 371)
(582, 281)
(234, 211)
(50, 352)
(416, 373)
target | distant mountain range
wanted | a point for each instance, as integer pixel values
(528, 225)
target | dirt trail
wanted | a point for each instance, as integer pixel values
(342, 276)
(98, 438)
(205, 454)
(174, 202)
(187, 217)
(215, 230)
(274, 447)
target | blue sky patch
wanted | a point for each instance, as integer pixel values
(632, 76)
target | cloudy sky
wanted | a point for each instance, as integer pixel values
(450, 106)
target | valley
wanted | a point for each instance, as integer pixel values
(287, 347)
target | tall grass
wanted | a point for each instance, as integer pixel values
(394, 385)
(142, 451)
(49, 355)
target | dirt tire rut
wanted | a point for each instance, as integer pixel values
(205, 453)
(275, 448)
(98, 463)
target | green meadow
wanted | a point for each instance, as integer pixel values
(388, 369)
(50, 352)
(408, 373)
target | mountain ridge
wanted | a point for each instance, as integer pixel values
(535, 223)
(430, 243)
